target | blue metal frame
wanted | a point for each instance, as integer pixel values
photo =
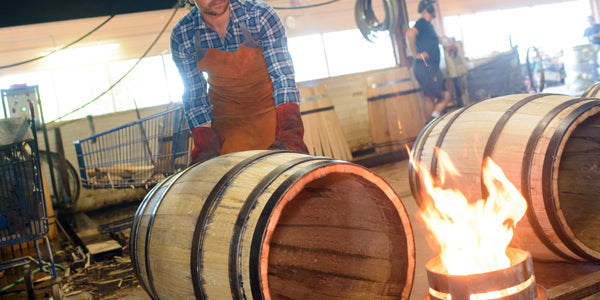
(23, 215)
(137, 154)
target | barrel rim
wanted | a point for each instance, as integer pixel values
(150, 224)
(244, 212)
(286, 193)
(208, 209)
(592, 91)
(520, 270)
(526, 165)
(417, 146)
(133, 236)
(555, 147)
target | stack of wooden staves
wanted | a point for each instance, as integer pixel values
(322, 131)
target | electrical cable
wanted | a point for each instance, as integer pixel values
(306, 6)
(12, 285)
(62, 48)
(127, 73)
(367, 21)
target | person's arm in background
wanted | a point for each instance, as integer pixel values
(290, 129)
(411, 42)
(197, 107)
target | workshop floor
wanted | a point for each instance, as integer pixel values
(114, 278)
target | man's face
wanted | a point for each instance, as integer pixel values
(212, 7)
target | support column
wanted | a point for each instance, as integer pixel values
(398, 36)
(595, 8)
(439, 19)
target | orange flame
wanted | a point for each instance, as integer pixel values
(472, 236)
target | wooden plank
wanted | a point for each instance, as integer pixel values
(578, 288)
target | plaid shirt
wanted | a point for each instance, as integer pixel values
(265, 27)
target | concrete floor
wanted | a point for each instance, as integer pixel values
(396, 174)
(548, 275)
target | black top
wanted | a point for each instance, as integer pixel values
(427, 41)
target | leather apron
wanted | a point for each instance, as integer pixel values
(241, 92)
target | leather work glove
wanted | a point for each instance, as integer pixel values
(289, 133)
(207, 144)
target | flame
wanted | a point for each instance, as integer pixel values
(472, 236)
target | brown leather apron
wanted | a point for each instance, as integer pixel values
(241, 92)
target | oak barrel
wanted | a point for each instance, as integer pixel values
(273, 225)
(395, 109)
(323, 134)
(548, 146)
(592, 92)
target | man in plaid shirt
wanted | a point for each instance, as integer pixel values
(249, 100)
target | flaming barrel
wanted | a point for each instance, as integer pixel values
(273, 224)
(548, 146)
(516, 282)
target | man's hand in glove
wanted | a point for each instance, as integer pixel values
(207, 144)
(289, 133)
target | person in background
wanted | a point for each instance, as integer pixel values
(423, 42)
(592, 32)
(250, 99)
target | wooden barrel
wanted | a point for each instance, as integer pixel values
(323, 134)
(395, 109)
(548, 147)
(592, 92)
(273, 224)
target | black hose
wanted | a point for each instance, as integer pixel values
(126, 73)
(62, 48)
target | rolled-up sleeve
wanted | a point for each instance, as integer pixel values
(197, 107)
(278, 59)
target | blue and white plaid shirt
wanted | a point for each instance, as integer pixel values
(266, 28)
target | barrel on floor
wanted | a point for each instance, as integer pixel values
(548, 146)
(395, 109)
(273, 224)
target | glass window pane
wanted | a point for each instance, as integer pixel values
(550, 27)
(146, 84)
(77, 86)
(308, 56)
(348, 52)
(174, 82)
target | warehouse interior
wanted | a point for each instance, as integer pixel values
(101, 76)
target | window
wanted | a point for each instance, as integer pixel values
(79, 85)
(348, 52)
(309, 58)
(324, 55)
(174, 82)
(146, 84)
(550, 27)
